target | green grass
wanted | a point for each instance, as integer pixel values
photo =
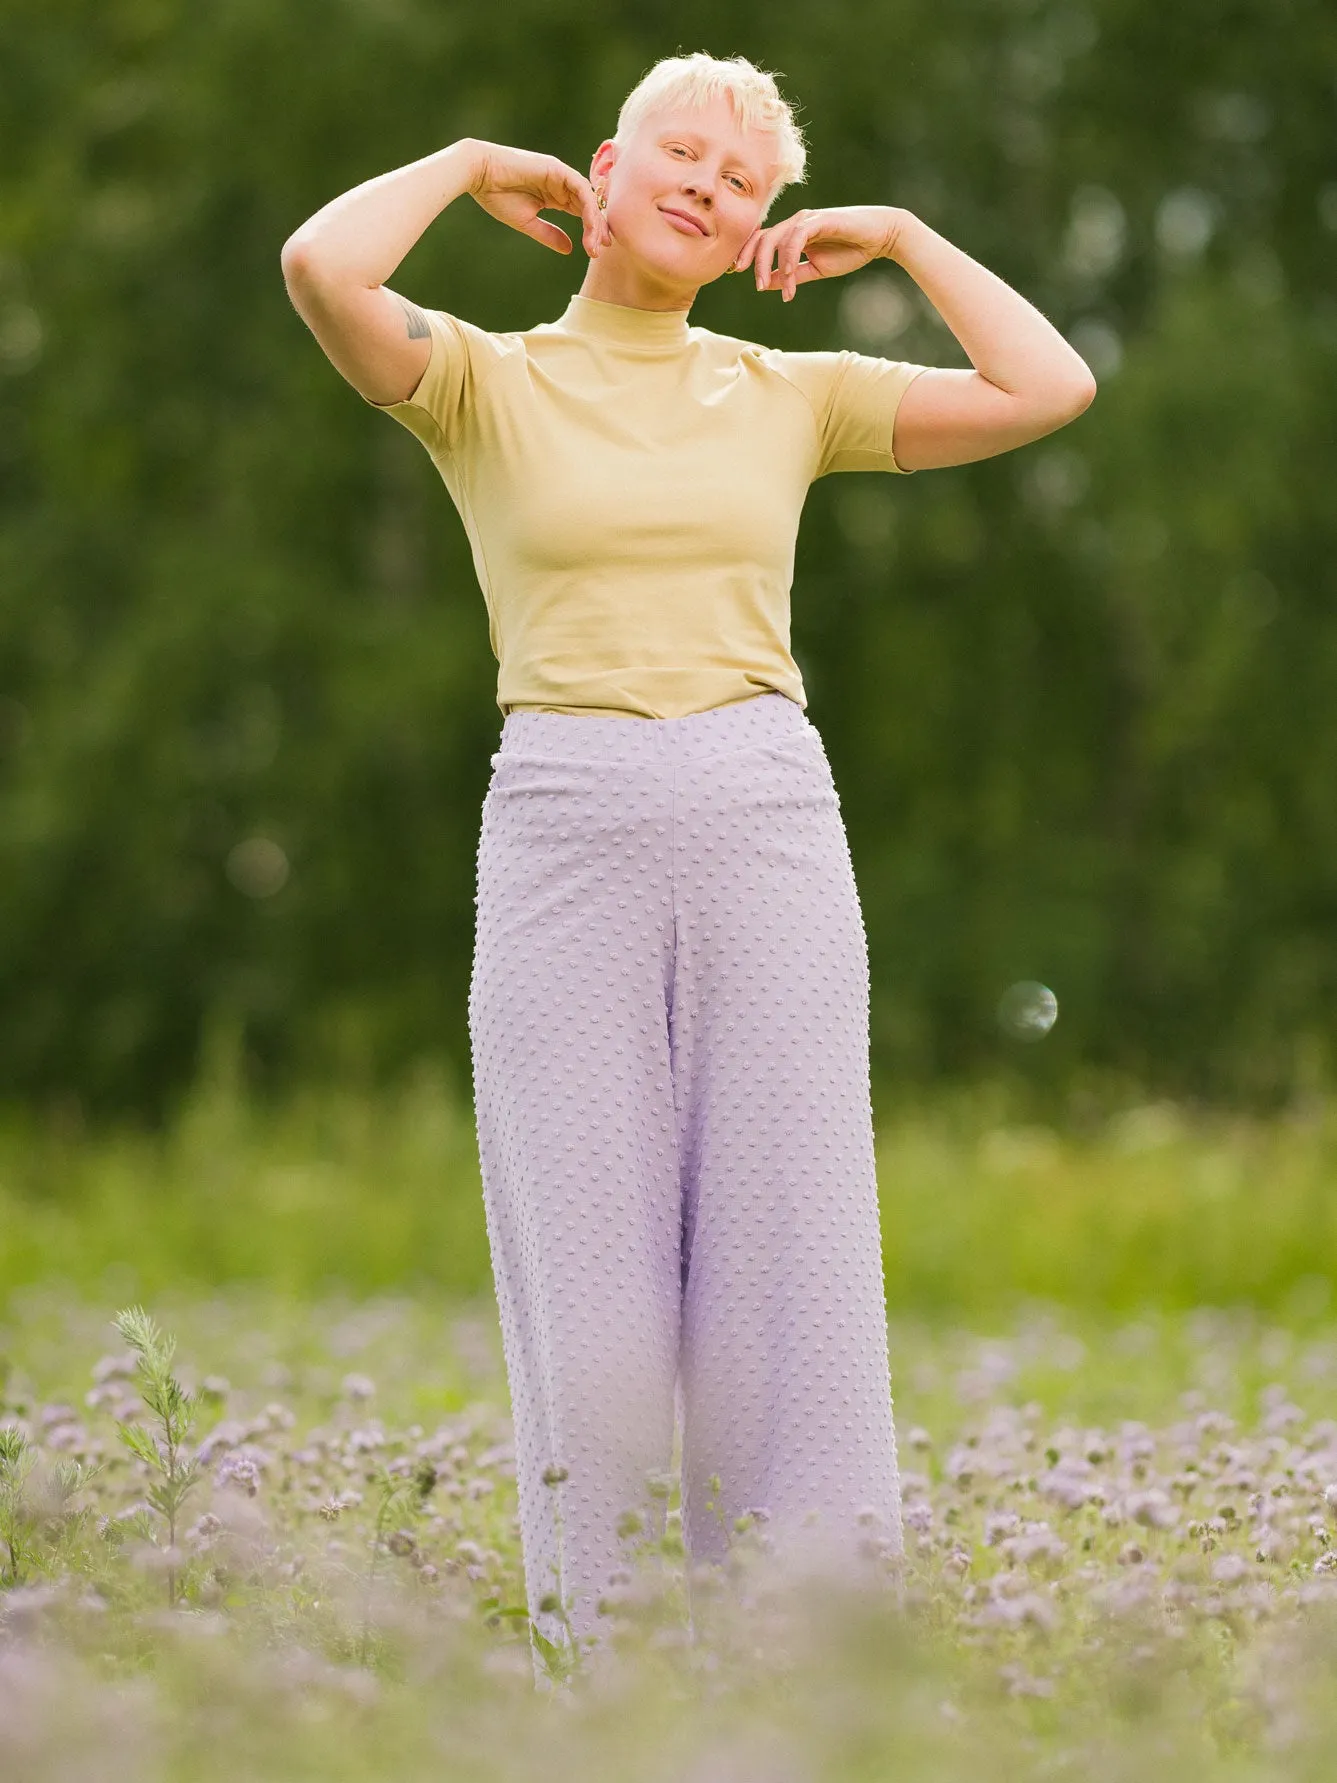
(1149, 1206)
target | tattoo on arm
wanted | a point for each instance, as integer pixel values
(417, 322)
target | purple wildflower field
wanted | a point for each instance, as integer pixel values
(281, 1551)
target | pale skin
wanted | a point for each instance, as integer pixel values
(1026, 380)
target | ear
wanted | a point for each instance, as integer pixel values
(604, 157)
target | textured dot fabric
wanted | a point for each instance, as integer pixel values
(668, 1015)
(631, 488)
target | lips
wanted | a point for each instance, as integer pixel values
(684, 217)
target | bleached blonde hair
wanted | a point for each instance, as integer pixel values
(696, 80)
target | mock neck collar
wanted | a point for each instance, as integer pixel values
(624, 324)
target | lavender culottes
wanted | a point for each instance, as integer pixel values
(668, 1014)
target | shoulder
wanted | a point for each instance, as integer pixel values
(467, 339)
(815, 376)
(461, 359)
(840, 381)
(729, 346)
(807, 368)
(810, 375)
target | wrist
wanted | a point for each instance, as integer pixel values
(466, 160)
(900, 223)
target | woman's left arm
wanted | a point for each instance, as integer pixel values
(1027, 380)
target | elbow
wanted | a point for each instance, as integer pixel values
(1065, 403)
(1059, 406)
(294, 257)
(300, 259)
(1080, 395)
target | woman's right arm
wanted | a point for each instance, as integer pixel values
(335, 265)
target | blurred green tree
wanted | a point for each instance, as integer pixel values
(1078, 699)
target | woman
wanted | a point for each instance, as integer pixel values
(669, 1002)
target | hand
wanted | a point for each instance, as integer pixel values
(514, 185)
(835, 241)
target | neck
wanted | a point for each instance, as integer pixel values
(614, 278)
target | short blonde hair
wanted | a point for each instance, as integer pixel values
(699, 78)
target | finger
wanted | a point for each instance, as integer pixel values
(804, 273)
(581, 202)
(549, 234)
(765, 256)
(559, 188)
(745, 253)
(790, 250)
(770, 256)
(770, 243)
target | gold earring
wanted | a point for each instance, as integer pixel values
(601, 198)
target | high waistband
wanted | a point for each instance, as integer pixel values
(739, 725)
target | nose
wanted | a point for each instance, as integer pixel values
(699, 184)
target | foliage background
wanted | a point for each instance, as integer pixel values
(1078, 699)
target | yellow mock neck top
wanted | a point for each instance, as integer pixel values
(631, 488)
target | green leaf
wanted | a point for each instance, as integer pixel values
(12, 1445)
(141, 1443)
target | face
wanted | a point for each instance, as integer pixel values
(685, 192)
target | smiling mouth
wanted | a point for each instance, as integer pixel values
(682, 217)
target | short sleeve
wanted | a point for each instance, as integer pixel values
(854, 398)
(461, 358)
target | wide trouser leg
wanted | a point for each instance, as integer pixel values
(786, 1381)
(577, 1147)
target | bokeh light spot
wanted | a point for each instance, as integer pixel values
(1027, 1010)
(874, 309)
(258, 867)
